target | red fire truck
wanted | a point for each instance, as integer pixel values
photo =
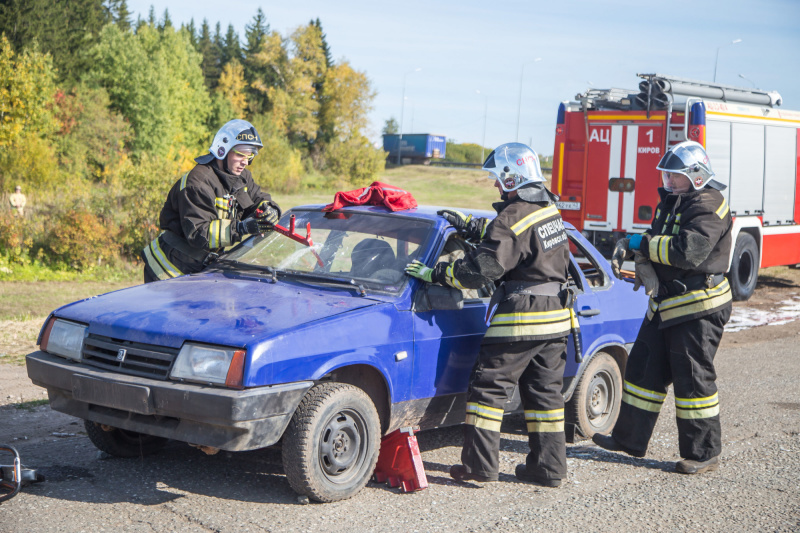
(608, 143)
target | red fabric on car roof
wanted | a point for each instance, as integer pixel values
(389, 196)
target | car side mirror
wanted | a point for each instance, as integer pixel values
(437, 297)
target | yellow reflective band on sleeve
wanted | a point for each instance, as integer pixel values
(530, 324)
(723, 209)
(695, 301)
(450, 279)
(481, 416)
(159, 260)
(658, 213)
(183, 180)
(694, 408)
(213, 234)
(545, 421)
(659, 249)
(652, 307)
(645, 399)
(535, 218)
(225, 238)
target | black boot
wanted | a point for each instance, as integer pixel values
(687, 466)
(607, 442)
(460, 474)
(522, 474)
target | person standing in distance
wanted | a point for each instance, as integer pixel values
(18, 202)
(526, 248)
(686, 252)
(211, 207)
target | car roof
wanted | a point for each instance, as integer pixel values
(427, 212)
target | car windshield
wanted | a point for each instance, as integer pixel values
(371, 249)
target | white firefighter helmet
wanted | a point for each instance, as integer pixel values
(513, 165)
(234, 133)
(690, 159)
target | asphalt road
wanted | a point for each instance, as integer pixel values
(756, 489)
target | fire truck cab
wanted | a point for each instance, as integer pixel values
(608, 143)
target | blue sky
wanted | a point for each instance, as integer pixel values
(467, 46)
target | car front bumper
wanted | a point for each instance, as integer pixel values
(233, 420)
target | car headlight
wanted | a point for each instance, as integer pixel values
(64, 338)
(210, 364)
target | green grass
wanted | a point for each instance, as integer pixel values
(32, 404)
(451, 187)
(23, 300)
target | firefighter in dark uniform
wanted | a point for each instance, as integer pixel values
(215, 205)
(681, 259)
(526, 248)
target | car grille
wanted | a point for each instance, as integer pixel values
(145, 360)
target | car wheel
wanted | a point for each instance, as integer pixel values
(331, 445)
(121, 442)
(744, 267)
(594, 407)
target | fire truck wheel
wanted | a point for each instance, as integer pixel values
(594, 406)
(744, 267)
(331, 445)
(121, 442)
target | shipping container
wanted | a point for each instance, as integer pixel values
(414, 147)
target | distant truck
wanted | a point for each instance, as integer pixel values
(609, 141)
(415, 147)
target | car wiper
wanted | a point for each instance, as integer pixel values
(247, 266)
(327, 279)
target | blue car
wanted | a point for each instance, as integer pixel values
(325, 348)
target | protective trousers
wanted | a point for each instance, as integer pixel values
(683, 355)
(538, 367)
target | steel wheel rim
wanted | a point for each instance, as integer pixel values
(342, 446)
(600, 399)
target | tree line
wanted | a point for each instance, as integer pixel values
(100, 114)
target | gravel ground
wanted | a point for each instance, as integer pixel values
(180, 489)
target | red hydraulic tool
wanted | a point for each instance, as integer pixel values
(400, 463)
(299, 238)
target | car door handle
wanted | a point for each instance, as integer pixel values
(589, 312)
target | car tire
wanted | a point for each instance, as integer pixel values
(121, 442)
(331, 445)
(594, 406)
(743, 275)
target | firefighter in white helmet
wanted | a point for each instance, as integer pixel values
(682, 259)
(526, 248)
(213, 206)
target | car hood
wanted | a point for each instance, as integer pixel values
(212, 308)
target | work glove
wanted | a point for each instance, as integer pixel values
(417, 269)
(472, 228)
(620, 255)
(267, 213)
(645, 275)
(252, 226)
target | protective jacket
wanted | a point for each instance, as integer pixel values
(199, 218)
(525, 247)
(689, 244)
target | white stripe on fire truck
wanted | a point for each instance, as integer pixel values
(631, 153)
(614, 164)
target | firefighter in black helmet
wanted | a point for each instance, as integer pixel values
(213, 206)
(681, 259)
(525, 247)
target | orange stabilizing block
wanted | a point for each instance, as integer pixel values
(400, 463)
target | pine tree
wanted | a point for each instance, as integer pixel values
(166, 21)
(192, 32)
(151, 17)
(231, 47)
(255, 33)
(122, 16)
(211, 64)
(325, 47)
